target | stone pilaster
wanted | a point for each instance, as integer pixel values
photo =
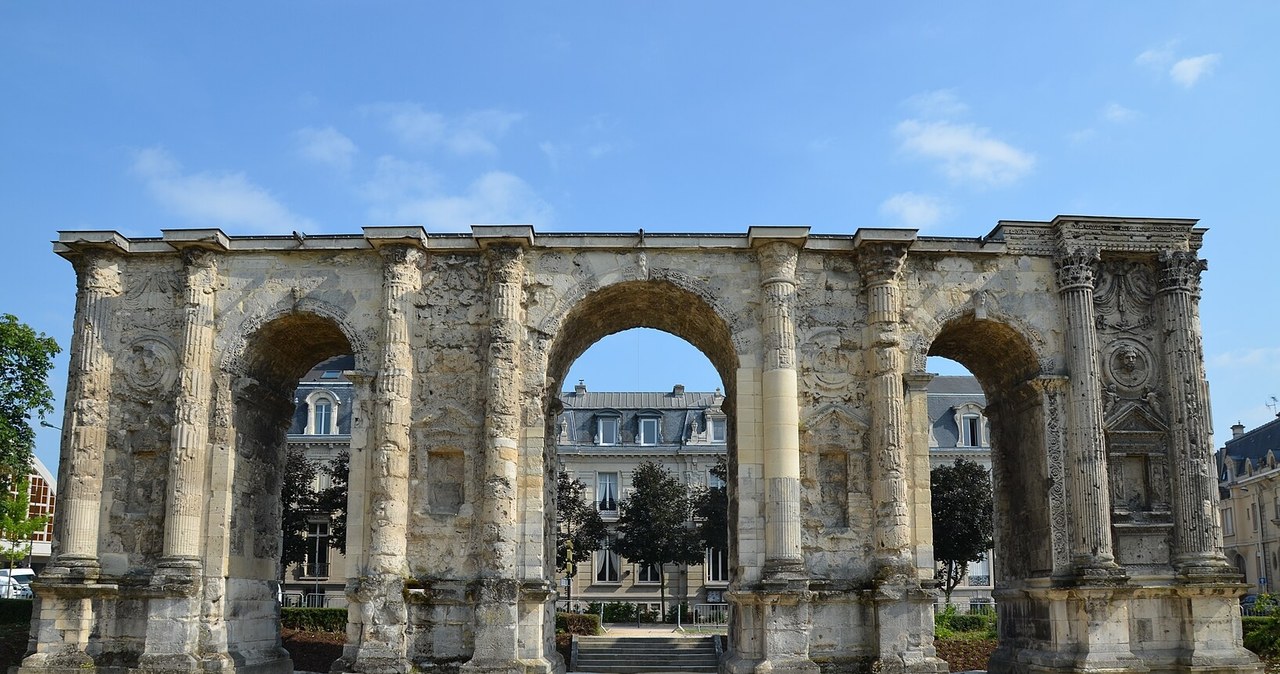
(917, 405)
(173, 634)
(498, 590)
(64, 617)
(1197, 540)
(87, 411)
(781, 408)
(880, 265)
(1087, 483)
(189, 439)
(378, 594)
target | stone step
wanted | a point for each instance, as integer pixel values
(636, 655)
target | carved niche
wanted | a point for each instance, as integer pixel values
(835, 490)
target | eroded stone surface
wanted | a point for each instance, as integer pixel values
(1083, 331)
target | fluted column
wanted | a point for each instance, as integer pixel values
(1087, 481)
(392, 388)
(497, 638)
(781, 408)
(87, 410)
(880, 264)
(1196, 537)
(189, 437)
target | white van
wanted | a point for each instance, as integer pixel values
(16, 583)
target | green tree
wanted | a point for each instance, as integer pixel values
(579, 528)
(299, 502)
(962, 530)
(17, 526)
(711, 510)
(333, 500)
(654, 524)
(25, 360)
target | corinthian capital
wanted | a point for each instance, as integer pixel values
(881, 262)
(778, 261)
(1180, 270)
(1076, 267)
(400, 265)
(506, 262)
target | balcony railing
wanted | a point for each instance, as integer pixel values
(314, 570)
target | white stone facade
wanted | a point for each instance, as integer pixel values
(1084, 332)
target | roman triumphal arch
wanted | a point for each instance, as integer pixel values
(1083, 331)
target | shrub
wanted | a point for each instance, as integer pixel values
(577, 623)
(1262, 635)
(947, 623)
(15, 611)
(314, 619)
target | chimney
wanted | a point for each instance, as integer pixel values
(580, 389)
(1237, 430)
(677, 390)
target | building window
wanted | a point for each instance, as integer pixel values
(324, 417)
(607, 492)
(1228, 522)
(717, 565)
(317, 564)
(714, 482)
(607, 432)
(1253, 515)
(648, 431)
(971, 430)
(649, 573)
(719, 429)
(607, 563)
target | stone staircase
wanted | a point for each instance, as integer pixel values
(637, 655)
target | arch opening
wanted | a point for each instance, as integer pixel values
(1004, 364)
(600, 437)
(290, 444)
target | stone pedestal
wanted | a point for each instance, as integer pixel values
(771, 630)
(904, 627)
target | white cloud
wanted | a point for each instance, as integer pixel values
(1114, 112)
(967, 153)
(939, 103)
(1187, 72)
(913, 210)
(1158, 57)
(1264, 357)
(471, 134)
(225, 200)
(410, 192)
(327, 146)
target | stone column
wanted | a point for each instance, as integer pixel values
(497, 610)
(880, 264)
(173, 634)
(189, 438)
(781, 409)
(1087, 483)
(87, 411)
(917, 404)
(378, 594)
(1197, 540)
(64, 618)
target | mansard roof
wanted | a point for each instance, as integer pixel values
(1251, 448)
(639, 400)
(946, 393)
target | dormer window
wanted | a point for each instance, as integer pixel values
(607, 431)
(719, 430)
(971, 426)
(322, 414)
(648, 431)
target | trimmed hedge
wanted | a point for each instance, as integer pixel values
(314, 619)
(15, 611)
(961, 622)
(1261, 634)
(577, 623)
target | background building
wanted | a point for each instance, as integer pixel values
(1249, 508)
(322, 426)
(601, 438)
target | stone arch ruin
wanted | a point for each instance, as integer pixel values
(1083, 332)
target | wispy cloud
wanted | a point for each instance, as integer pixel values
(913, 210)
(1114, 112)
(410, 192)
(1187, 72)
(1262, 357)
(227, 199)
(939, 103)
(327, 147)
(475, 133)
(965, 152)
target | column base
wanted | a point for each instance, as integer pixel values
(377, 615)
(904, 624)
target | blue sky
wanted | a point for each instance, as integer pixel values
(672, 116)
